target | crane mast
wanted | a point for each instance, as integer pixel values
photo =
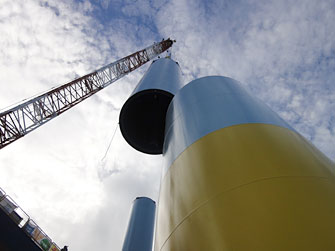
(17, 121)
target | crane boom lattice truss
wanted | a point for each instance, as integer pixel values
(25, 117)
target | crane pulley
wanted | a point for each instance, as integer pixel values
(17, 121)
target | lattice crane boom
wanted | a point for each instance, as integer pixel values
(26, 117)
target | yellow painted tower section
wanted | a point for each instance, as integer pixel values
(237, 177)
(248, 187)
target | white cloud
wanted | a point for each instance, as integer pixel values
(283, 53)
(53, 172)
(278, 49)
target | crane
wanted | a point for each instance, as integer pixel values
(25, 117)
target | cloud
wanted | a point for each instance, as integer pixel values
(53, 172)
(283, 52)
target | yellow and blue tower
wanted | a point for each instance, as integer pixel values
(237, 177)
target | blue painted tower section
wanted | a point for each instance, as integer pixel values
(139, 236)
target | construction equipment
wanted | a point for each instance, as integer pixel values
(22, 119)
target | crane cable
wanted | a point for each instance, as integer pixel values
(110, 143)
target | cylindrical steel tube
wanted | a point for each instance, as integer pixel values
(142, 117)
(139, 236)
(238, 177)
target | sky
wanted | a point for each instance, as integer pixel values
(283, 52)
